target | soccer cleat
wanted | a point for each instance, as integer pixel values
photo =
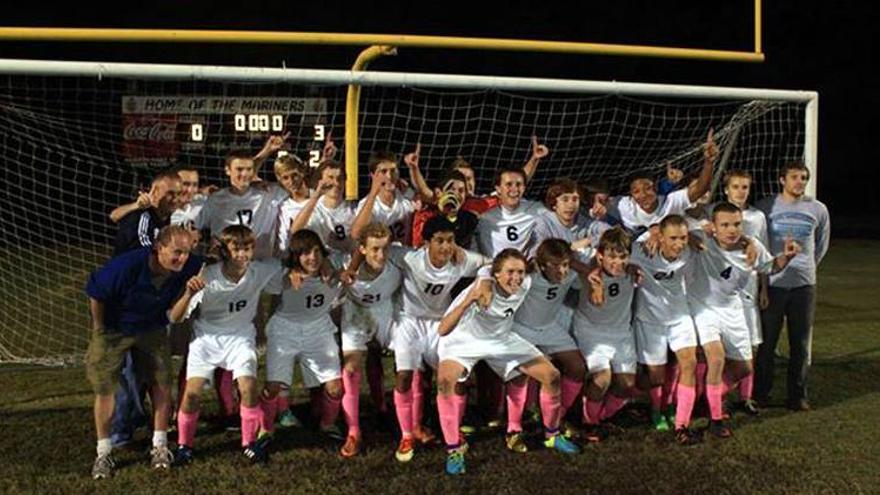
(719, 429)
(455, 461)
(799, 405)
(161, 458)
(594, 433)
(289, 420)
(659, 421)
(351, 447)
(333, 432)
(570, 431)
(750, 407)
(183, 455)
(494, 424)
(257, 452)
(559, 443)
(467, 430)
(685, 436)
(103, 467)
(405, 451)
(423, 435)
(516, 443)
(231, 422)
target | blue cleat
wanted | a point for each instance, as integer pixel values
(455, 461)
(561, 444)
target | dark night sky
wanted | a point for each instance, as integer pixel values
(828, 48)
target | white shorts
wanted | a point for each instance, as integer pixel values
(361, 324)
(414, 341)
(728, 327)
(504, 353)
(237, 353)
(607, 348)
(753, 321)
(550, 340)
(654, 341)
(311, 344)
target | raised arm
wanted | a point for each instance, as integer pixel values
(193, 286)
(302, 219)
(365, 215)
(539, 152)
(273, 144)
(411, 160)
(141, 203)
(704, 181)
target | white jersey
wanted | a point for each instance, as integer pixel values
(426, 289)
(398, 216)
(375, 293)
(500, 228)
(548, 225)
(257, 209)
(497, 319)
(662, 298)
(716, 277)
(289, 210)
(310, 302)
(333, 226)
(227, 307)
(638, 220)
(544, 301)
(616, 313)
(186, 216)
(755, 227)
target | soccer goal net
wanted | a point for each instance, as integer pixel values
(78, 139)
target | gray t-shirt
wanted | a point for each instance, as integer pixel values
(806, 221)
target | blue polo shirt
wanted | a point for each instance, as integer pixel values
(131, 303)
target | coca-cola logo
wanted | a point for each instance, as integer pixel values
(149, 131)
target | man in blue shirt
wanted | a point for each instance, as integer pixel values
(129, 298)
(792, 292)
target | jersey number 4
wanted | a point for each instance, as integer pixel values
(725, 274)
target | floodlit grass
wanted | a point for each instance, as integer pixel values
(48, 435)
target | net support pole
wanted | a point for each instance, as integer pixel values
(352, 107)
(811, 143)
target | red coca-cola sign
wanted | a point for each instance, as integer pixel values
(149, 138)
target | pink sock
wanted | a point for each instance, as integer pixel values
(570, 391)
(329, 409)
(186, 427)
(745, 387)
(727, 385)
(714, 393)
(669, 386)
(250, 423)
(270, 411)
(592, 411)
(551, 405)
(376, 380)
(418, 399)
(656, 394)
(516, 402)
(449, 419)
(684, 405)
(403, 405)
(611, 405)
(351, 382)
(700, 387)
(224, 385)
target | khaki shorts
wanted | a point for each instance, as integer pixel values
(107, 348)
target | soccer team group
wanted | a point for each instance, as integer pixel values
(586, 298)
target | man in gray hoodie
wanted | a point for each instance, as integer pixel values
(792, 293)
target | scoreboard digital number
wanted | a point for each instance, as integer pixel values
(157, 130)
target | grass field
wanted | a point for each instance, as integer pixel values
(48, 441)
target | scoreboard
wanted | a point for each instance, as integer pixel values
(158, 131)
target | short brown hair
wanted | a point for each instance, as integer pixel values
(169, 232)
(237, 154)
(793, 165)
(233, 234)
(724, 207)
(672, 221)
(552, 249)
(380, 156)
(290, 162)
(458, 163)
(615, 239)
(319, 170)
(504, 255)
(742, 174)
(302, 242)
(559, 187)
(375, 230)
(510, 170)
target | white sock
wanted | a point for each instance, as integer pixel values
(105, 446)
(160, 438)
